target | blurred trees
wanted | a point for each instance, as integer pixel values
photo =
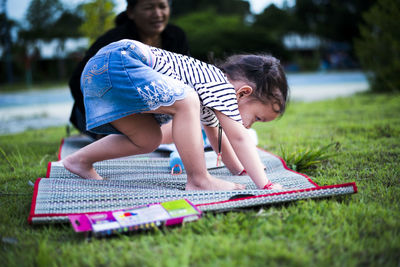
(219, 28)
(214, 36)
(336, 20)
(68, 23)
(215, 29)
(222, 27)
(41, 16)
(221, 7)
(98, 18)
(47, 21)
(378, 47)
(6, 25)
(275, 21)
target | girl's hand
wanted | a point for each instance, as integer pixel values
(229, 157)
(270, 186)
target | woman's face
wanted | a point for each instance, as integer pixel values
(150, 16)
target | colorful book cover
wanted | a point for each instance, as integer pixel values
(144, 217)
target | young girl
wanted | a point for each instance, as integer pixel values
(130, 89)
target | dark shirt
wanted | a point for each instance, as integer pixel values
(172, 38)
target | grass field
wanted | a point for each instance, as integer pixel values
(21, 86)
(363, 134)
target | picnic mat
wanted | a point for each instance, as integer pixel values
(146, 179)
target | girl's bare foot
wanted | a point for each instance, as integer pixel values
(212, 183)
(84, 170)
(271, 185)
(276, 186)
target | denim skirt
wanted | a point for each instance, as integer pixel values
(120, 81)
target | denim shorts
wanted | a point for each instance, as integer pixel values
(120, 81)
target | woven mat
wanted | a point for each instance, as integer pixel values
(144, 180)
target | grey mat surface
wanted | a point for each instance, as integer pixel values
(144, 180)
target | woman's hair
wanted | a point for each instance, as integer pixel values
(132, 3)
(122, 17)
(262, 71)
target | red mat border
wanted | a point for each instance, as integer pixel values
(317, 187)
(60, 149)
(33, 215)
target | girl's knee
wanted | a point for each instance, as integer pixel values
(152, 141)
(142, 130)
(190, 104)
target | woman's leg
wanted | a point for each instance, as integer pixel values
(142, 134)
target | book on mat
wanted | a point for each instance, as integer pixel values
(134, 219)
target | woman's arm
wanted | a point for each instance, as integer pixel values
(228, 155)
(244, 148)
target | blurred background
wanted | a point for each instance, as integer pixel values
(330, 42)
(43, 40)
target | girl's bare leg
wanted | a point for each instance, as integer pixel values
(187, 135)
(142, 134)
(167, 133)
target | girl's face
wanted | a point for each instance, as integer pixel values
(253, 110)
(150, 16)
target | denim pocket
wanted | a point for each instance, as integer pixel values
(95, 79)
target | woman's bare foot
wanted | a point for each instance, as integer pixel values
(212, 183)
(84, 170)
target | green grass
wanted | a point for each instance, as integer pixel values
(22, 86)
(357, 230)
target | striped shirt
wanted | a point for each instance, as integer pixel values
(211, 84)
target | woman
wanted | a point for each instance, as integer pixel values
(143, 20)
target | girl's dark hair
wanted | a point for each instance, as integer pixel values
(264, 72)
